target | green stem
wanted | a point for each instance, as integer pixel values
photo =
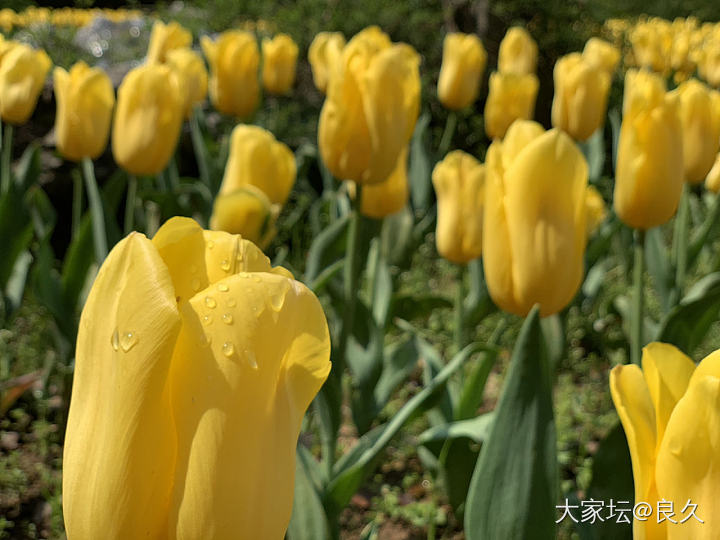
(637, 320)
(77, 201)
(130, 204)
(448, 133)
(96, 209)
(680, 241)
(173, 175)
(460, 337)
(5, 158)
(199, 147)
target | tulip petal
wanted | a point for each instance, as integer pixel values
(253, 352)
(119, 454)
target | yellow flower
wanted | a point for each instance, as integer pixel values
(712, 182)
(459, 182)
(165, 38)
(246, 211)
(709, 61)
(651, 45)
(324, 55)
(581, 95)
(22, 75)
(595, 208)
(518, 52)
(463, 64)
(279, 62)
(234, 60)
(190, 69)
(649, 175)
(148, 119)
(371, 108)
(388, 197)
(670, 411)
(534, 229)
(510, 97)
(601, 54)
(700, 130)
(195, 364)
(257, 159)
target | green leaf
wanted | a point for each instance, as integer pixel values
(475, 429)
(615, 124)
(554, 337)
(414, 306)
(15, 288)
(327, 248)
(398, 363)
(658, 264)
(308, 520)
(513, 490)
(471, 395)
(397, 238)
(419, 170)
(594, 151)
(29, 167)
(15, 232)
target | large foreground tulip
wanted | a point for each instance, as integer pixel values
(195, 364)
(534, 230)
(463, 64)
(22, 76)
(670, 411)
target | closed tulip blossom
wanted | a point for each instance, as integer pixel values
(596, 210)
(257, 159)
(234, 60)
(85, 99)
(22, 76)
(535, 219)
(324, 54)
(190, 70)
(196, 361)
(279, 63)
(165, 38)
(601, 54)
(709, 61)
(652, 44)
(371, 108)
(518, 52)
(148, 119)
(511, 97)
(463, 65)
(389, 197)
(581, 95)
(670, 410)
(700, 129)
(649, 175)
(246, 211)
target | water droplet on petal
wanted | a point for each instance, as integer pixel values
(210, 244)
(210, 302)
(227, 318)
(128, 340)
(225, 265)
(204, 340)
(228, 349)
(207, 319)
(115, 340)
(244, 275)
(222, 287)
(252, 361)
(231, 302)
(195, 284)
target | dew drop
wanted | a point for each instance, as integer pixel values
(210, 244)
(210, 302)
(225, 265)
(115, 340)
(207, 319)
(128, 340)
(231, 302)
(222, 287)
(204, 340)
(252, 361)
(227, 318)
(244, 275)
(195, 284)
(228, 349)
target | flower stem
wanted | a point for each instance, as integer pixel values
(680, 242)
(199, 147)
(77, 201)
(637, 320)
(130, 204)
(5, 159)
(448, 133)
(96, 209)
(460, 337)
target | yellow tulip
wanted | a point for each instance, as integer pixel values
(234, 60)
(85, 99)
(148, 119)
(324, 55)
(518, 52)
(649, 175)
(463, 64)
(581, 95)
(670, 411)
(388, 197)
(246, 211)
(165, 38)
(595, 208)
(700, 130)
(190, 69)
(279, 63)
(459, 181)
(651, 45)
(22, 76)
(601, 54)
(257, 159)
(712, 182)
(510, 97)
(195, 364)
(535, 223)
(371, 108)
(709, 62)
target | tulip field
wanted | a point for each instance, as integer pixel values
(373, 271)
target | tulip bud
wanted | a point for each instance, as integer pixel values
(709, 61)
(649, 175)
(165, 38)
(712, 182)
(459, 182)
(371, 108)
(535, 224)
(22, 75)
(234, 60)
(601, 54)
(257, 159)
(651, 44)
(246, 211)
(279, 62)
(463, 64)
(388, 197)
(518, 52)
(190, 70)
(581, 95)
(147, 120)
(700, 129)
(324, 55)
(510, 97)
(85, 100)
(595, 208)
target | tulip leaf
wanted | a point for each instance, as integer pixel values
(615, 125)
(397, 238)
(415, 306)
(478, 303)
(471, 395)
(326, 249)
(659, 267)
(15, 232)
(513, 490)
(419, 170)
(29, 167)
(594, 151)
(686, 325)
(475, 429)
(554, 337)
(308, 521)
(381, 283)
(398, 362)
(15, 288)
